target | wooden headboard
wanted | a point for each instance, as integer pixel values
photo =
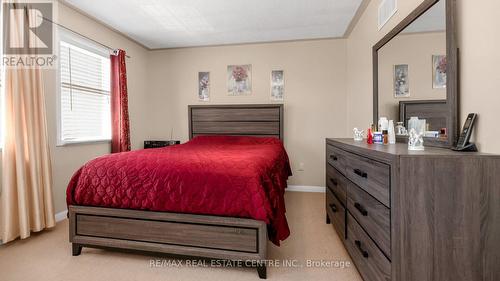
(262, 120)
(434, 111)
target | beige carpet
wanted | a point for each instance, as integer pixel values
(47, 255)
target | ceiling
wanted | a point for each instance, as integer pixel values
(433, 20)
(184, 23)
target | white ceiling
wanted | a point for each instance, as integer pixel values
(183, 23)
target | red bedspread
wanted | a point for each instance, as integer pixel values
(241, 177)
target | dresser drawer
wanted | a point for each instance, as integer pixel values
(370, 261)
(336, 212)
(372, 215)
(337, 183)
(335, 157)
(372, 176)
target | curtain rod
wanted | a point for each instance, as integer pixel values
(81, 35)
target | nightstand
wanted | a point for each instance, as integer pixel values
(156, 144)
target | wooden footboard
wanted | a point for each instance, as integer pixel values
(214, 237)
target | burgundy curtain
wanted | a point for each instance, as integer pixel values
(120, 128)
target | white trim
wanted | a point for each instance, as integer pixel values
(61, 216)
(58, 96)
(82, 43)
(305, 188)
(76, 142)
(389, 16)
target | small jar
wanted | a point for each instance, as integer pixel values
(385, 135)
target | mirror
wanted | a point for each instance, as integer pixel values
(412, 75)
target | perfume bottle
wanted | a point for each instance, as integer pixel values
(392, 133)
(385, 137)
(369, 136)
(383, 124)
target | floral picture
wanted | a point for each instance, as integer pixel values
(277, 85)
(439, 72)
(239, 80)
(204, 86)
(401, 83)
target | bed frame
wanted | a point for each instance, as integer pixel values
(213, 237)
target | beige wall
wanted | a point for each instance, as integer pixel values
(322, 77)
(315, 87)
(328, 86)
(66, 160)
(415, 50)
(478, 36)
(359, 61)
(479, 40)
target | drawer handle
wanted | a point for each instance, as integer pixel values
(360, 173)
(333, 207)
(334, 182)
(363, 252)
(333, 157)
(361, 209)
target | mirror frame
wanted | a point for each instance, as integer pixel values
(452, 89)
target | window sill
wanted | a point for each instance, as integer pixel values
(82, 142)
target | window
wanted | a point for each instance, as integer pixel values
(84, 94)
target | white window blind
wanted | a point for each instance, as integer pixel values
(85, 109)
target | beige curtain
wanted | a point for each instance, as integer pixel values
(26, 202)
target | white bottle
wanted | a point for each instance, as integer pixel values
(383, 124)
(413, 123)
(392, 133)
(422, 126)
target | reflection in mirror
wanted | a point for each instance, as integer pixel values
(412, 75)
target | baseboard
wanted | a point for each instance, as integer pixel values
(61, 215)
(305, 188)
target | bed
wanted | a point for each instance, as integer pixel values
(219, 196)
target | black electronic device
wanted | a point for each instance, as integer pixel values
(463, 143)
(157, 144)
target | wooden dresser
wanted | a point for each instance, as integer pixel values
(415, 216)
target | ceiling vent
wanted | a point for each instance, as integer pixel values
(386, 10)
